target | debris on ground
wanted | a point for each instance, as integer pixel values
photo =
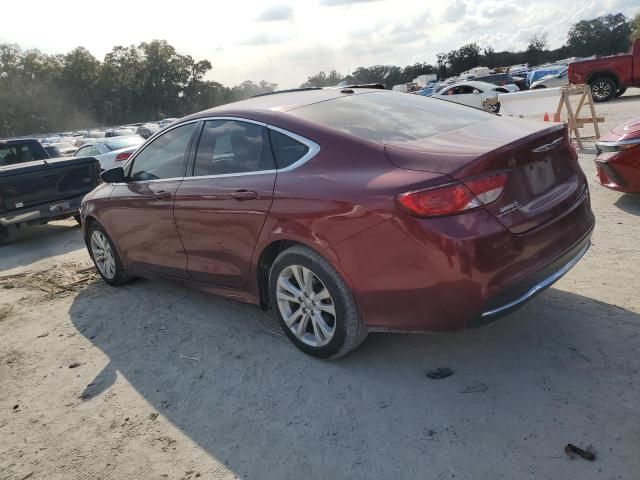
(571, 450)
(61, 279)
(438, 373)
(5, 310)
(476, 387)
(193, 359)
(75, 365)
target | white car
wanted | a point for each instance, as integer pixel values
(550, 81)
(473, 94)
(110, 152)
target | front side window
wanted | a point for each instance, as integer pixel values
(231, 146)
(164, 157)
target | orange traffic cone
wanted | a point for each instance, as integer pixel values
(546, 116)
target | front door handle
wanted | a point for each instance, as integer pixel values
(244, 195)
(162, 195)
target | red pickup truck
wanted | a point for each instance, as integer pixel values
(608, 76)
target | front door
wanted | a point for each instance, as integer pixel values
(144, 223)
(221, 208)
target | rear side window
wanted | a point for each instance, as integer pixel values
(391, 117)
(286, 150)
(231, 146)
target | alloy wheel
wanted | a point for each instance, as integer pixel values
(306, 306)
(103, 255)
(601, 90)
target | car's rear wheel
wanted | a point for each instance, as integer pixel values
(105, 257)
(603, 89)
(313, 304)
(494, 108)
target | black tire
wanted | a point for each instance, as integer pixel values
(621, 91)
(603, 89)
(349, 330)
(495, 108)
(120, 277)
(77, 218)
(538, 87)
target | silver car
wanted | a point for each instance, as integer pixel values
(110, 152)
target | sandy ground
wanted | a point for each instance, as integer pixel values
(154, 381)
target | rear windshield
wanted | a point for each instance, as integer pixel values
(389, 117)
(20, 153)
(117, 143)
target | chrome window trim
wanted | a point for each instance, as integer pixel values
(314, 149)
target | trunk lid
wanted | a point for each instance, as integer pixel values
(44, 181)
(544, 179)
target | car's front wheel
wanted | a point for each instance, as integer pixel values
(105, 257)
(313, 304)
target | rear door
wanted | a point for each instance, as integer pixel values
(221, 208)
(142, 220)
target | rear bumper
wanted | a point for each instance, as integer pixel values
(55, 210)
(457, 272)
(533, 284)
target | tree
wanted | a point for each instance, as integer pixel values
(604, 35)
(635, 27)
(535, 53)
(322, 79)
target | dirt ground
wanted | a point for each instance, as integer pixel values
(154, 381)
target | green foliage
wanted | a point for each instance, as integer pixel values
(43, 93)
(600, 36)
(635, 27)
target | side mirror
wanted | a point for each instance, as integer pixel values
(113, 175)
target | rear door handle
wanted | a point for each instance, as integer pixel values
(244, 195)
(162, 195)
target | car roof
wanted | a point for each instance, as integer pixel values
(283, 102)
(14, 141)
(476, 84)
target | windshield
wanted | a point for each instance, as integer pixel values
(387, 117)
(116, 143)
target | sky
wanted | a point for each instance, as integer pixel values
(286, 41)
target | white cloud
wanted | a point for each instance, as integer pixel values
(337, 3)
(455, 11)
(275, 13)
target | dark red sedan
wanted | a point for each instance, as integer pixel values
(618, 159)
(348, 211)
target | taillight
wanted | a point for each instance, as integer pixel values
(122, 156)
(454, 198)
